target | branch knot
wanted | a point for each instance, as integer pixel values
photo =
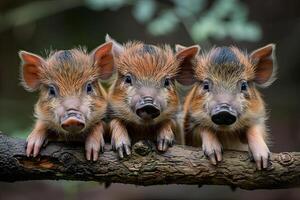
(142, 148)
(285, 158)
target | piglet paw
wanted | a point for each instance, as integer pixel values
(122, 146)
(261, 157)
(164, 142)
(213, 151)
(93, 145)
(34, 143)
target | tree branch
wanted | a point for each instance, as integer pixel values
(180, 165)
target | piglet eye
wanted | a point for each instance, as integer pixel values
(244, 86)
(89, 88)
(206, 85)
(128, 79)
(52, 91)
(167, 82)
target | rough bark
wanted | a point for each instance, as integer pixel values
(179, 165)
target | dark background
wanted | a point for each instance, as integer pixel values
(70, 23)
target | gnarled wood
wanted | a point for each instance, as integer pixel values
(180, 165)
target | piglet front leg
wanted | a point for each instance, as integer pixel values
(119, 138)
(36, 139)
(94, 142)
(211, 146)
(165, 137)
(258, 147)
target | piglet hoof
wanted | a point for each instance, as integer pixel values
(123, 149)
(164, 143)
(261, 159)
(34, 143)
(214, 153)
(92, 148)
(122, 146)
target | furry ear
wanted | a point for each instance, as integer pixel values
(31, 67)
(186, 57)
(179, 47)
(117, 49)
(103, 59)
(265, 65)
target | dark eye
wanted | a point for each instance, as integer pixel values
(206, 85)
(128, 79)
(52, 91)
(244, 86)
(167, 82)
(89, 88)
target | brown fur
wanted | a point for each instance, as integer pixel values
(156, 64)
(69, 76)
(69, 72)
(148, 69)
(149, 66)
(225, 73)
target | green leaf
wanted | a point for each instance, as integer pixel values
(144, 10)
(221, 8)
(105, 4)
(188, 8)
(204, 28)
(165, 23)
(244, 31)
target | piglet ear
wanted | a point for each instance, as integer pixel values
(117, 49)
(265, 65)
(179, 47)
(31, 67)
(186, 57)
(103, 60)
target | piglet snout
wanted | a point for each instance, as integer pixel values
(147, 108)
(73, 121)
(223, 114)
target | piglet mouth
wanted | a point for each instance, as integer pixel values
(147, 109)
(73, 121)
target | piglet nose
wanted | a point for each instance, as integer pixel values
(223, 118)
(147, 108)
(73, 125)
(148, 112)
(223, 114)
(73, 121)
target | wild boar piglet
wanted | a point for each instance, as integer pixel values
(224, 109)
(72, 103)
(143, 102)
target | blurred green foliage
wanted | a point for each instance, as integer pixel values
(224, 18)
(202, 19)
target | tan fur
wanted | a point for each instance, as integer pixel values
(205, 69)
(70, 77)
(39, 132)
(146, 68)
(118, 132)
(257, 145)
(195, 101)
(165, 133)
(249, 129)
(149, 69)
(69, 72)
(93, 140)
(156, 65)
